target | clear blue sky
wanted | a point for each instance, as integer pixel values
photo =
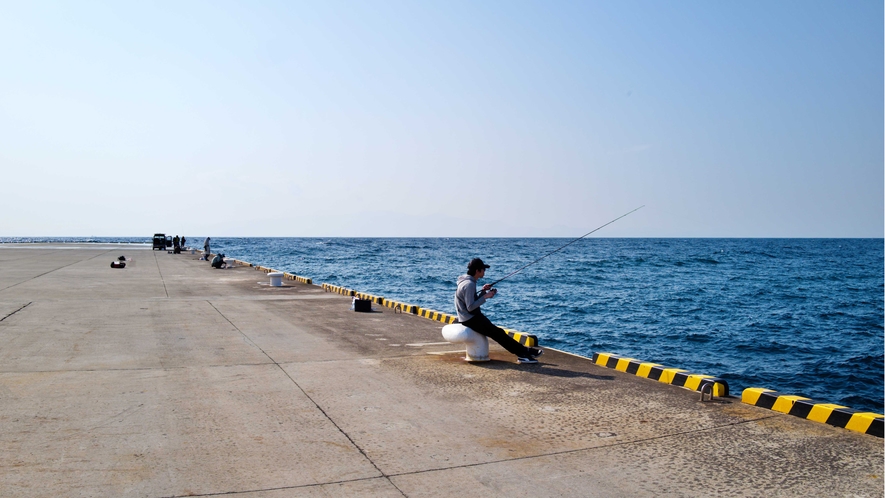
(726, 119)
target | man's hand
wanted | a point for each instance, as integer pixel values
(486, 287)
(491, 293)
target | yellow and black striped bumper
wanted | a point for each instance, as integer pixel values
(405, 308)
(827, 413)
(527, 340)
(303, 280)
(437, 316)
(338, 290)
(660, 373)
(370, 297)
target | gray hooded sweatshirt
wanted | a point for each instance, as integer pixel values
(467, 301)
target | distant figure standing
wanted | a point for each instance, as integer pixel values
(467, 303)
(206, 249)
(176, 245)
(183, 241)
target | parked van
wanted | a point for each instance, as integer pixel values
(159, 241)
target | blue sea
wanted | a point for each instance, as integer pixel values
(801, 316)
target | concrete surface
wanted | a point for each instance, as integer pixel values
(169, 378)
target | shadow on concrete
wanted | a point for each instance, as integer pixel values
(541, 369)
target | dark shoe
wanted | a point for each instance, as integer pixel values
(527, 361)
(535, 352)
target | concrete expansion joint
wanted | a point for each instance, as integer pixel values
(55, 269)
(161, 274)
(315, 404)
(282, 488)
(16, 311)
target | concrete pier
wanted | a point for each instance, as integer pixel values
(169, 378)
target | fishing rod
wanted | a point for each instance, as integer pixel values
(563, 247)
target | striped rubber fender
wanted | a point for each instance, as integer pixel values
(527, 340)
(338, 290)
(653, 371)
(290, 276)
(827, 413)
(437, 316)
(370, 297)
(303, 280)
(405, 308)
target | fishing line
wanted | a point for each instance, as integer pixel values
(563, 247)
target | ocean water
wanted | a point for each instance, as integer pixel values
(801, 316)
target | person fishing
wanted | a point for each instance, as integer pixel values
(468, 301)
(467, 304)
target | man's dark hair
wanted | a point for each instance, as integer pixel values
(474, 265)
